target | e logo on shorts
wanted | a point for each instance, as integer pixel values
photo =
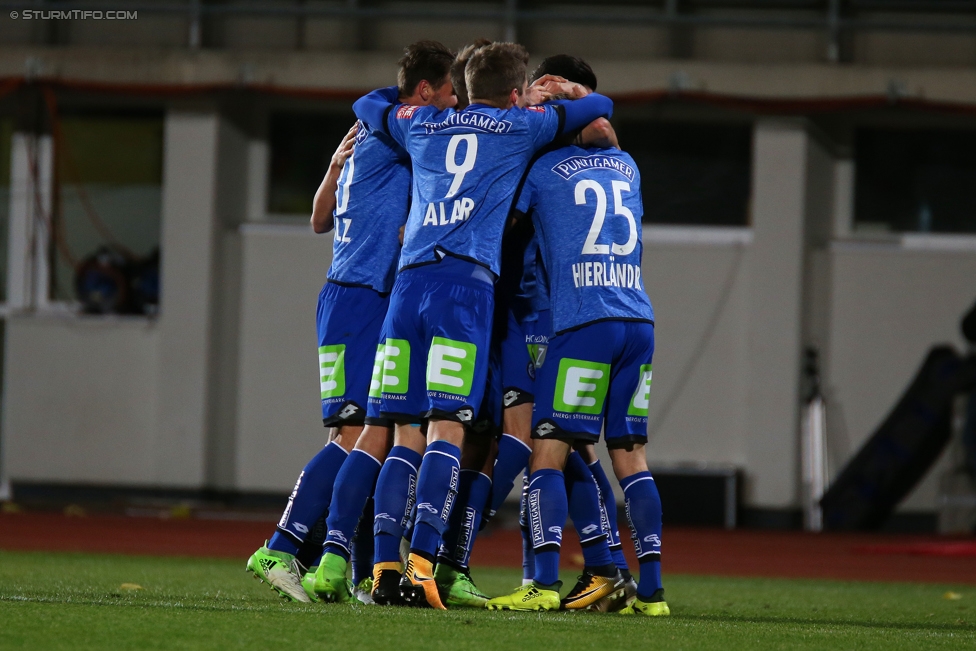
(581, 386)
(392, 366)
(641, 399)
(376, 379)
(450, 366)
(332, 370)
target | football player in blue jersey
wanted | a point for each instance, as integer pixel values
(597, 372)
(370, 183)
(466, 166)
(524, 334)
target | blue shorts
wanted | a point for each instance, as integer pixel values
(596, 377)
(349, 321)
(433, 360)
(523, 350)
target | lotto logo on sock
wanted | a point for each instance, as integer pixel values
(395, 373)
(641, 399)
(581, 386)
(450, 366)
(332, 370)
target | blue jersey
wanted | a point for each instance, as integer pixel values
(466, 168)
(534, 286)
(372, 202)
(586, 207)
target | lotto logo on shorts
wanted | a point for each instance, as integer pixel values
(332, 370)
(392, 365)
(581, 386)
(641, 399)
(450, 366)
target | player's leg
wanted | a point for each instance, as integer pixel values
(275, 563)
(354, 485)
(570, 392)
(589, 520)
(394, 499)
(457, 316)
(518, 370)
(548, 509)
(346, 357)
(608, 504)
(626, 435)
(474, 496)
(452, 572)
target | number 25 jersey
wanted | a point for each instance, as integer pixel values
(466, 167)
(586, 207)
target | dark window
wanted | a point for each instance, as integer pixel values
(110, 169)
(691, 173)
(301, 148)
(921, 181)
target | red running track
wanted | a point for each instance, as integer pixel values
(686, 551)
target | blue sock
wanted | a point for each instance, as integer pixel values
(309, 499)
(474, 491)
(609, 505)
(354, 484)
(548, 510)
(362, 546)
(437, 485)
(393, 502)
(643, 506)
(528, 555)
(513, 457)
(585, 511)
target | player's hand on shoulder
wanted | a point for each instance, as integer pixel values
(344, 150)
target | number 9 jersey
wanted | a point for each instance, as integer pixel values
(586, 207)
(466, 168)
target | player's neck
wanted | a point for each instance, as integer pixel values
(498, 105)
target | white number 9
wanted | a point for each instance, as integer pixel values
(450, 163)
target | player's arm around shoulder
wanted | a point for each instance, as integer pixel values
(374, 107)
(324, 203)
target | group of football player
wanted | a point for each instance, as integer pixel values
(484, 317)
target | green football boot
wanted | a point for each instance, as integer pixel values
(656, 608)
(364, 591)
(330, 580)
(528, 597)
(308, 583)
(280, 571)
(457, 589)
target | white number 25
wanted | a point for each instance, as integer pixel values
(590, 247)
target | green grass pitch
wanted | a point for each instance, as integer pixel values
(75, 601)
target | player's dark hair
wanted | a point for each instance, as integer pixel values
(457, 70)
(423, 60)
(494, 70)
(570, 68)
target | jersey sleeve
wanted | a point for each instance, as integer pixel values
(581, 112)
(545, 122)
(526, 194)
(375, 106)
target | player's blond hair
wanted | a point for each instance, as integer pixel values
(494, 70)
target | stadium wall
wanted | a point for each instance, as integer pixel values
(220, 391)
